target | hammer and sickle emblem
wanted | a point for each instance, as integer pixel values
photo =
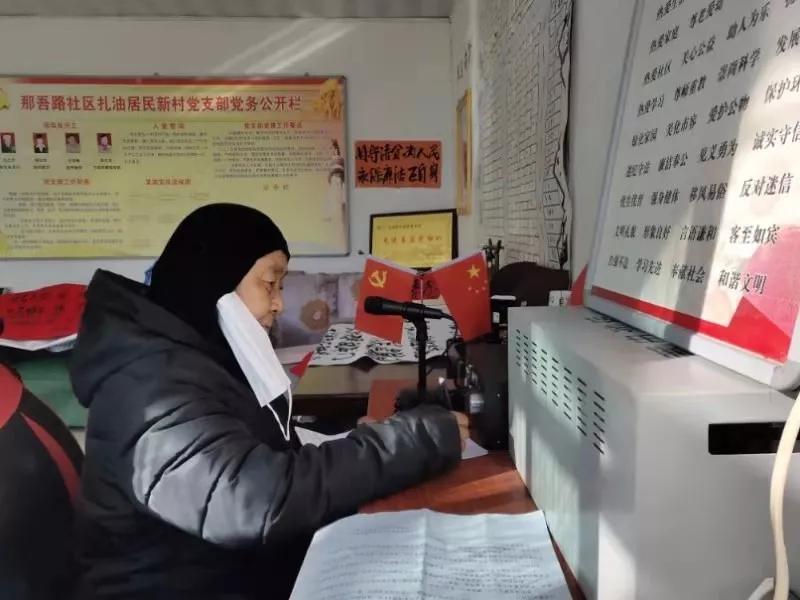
(378, 278)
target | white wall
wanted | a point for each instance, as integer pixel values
(401, 81)
(464, 52)
(599, 41)
(399, 86)
(600, 33)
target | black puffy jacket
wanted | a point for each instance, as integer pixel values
(188, 488)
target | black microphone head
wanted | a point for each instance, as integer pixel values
(373, 305)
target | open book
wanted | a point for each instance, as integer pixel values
(421, 554)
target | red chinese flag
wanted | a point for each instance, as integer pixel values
(386, 280)
(464, 285)
(47, 313)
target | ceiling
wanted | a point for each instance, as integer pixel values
(230, 8)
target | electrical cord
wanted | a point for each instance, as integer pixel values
(780, 473)
(766, 586)
(450, 343)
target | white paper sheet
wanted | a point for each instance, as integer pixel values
(61, 344)
(343, 344)
(473, 450)
(422, 554)
(307, 436)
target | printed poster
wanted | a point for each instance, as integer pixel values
(105, 167)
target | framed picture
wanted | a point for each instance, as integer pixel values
(464, 154)
(419, 240)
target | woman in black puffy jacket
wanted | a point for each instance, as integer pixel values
(194, 485)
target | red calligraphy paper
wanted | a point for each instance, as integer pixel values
(398, 164)
(48, 313)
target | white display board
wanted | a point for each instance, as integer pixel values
(699, 239)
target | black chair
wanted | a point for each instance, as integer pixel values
(40, 464)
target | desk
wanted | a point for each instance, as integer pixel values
(343, 390)
(488, 484)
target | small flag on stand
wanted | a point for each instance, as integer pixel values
(387, 280)
(464, 285)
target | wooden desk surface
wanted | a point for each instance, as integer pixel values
(344, 389)
(488, 484)
(355, 379)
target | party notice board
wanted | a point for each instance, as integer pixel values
(701, 225)
(99, 166)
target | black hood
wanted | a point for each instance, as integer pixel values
(206, 257)
(121, 325)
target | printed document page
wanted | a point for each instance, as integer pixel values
(421, 554)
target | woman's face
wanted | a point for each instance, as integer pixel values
(261, 289)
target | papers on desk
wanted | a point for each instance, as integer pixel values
(307, 436)
(343, 344)
(473, 450)
(423, 554)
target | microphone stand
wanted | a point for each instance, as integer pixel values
(421, 327)
(415, 314)
(422, 357)
(408, 398)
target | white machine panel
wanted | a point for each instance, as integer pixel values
(609, 428)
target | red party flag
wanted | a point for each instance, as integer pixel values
(47, 313)
(464, 285)
(387, 280)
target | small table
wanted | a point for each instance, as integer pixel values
(343, 390)
(487, 484)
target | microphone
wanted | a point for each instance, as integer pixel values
(375, 305)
